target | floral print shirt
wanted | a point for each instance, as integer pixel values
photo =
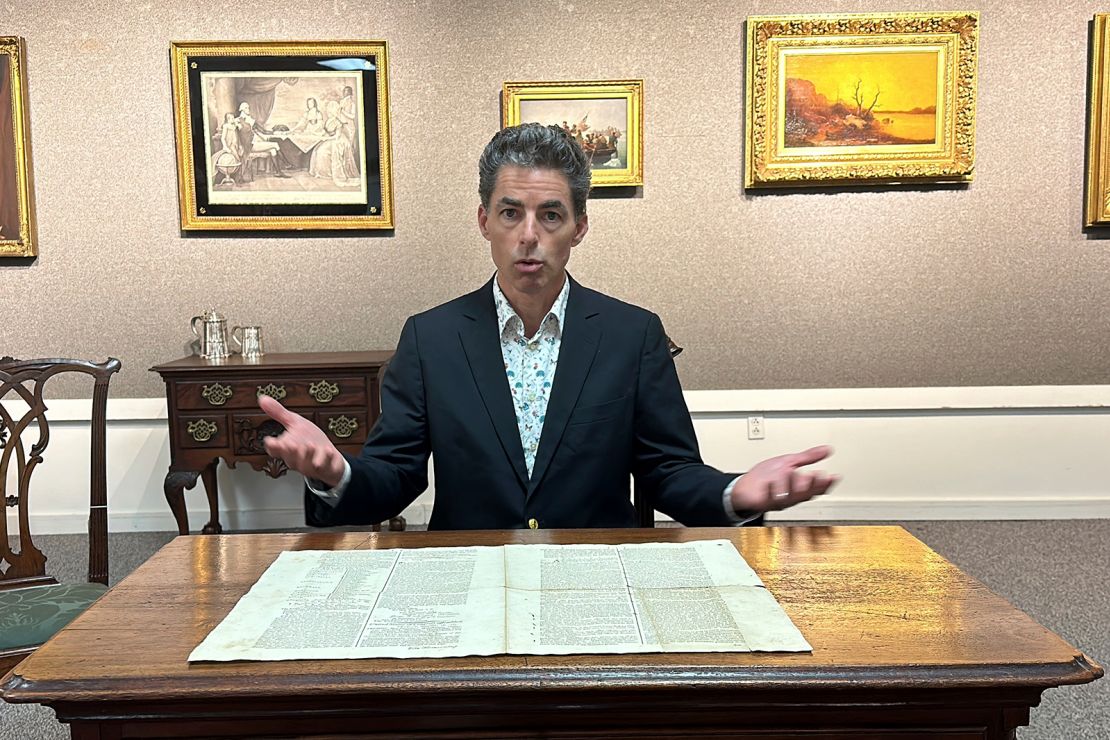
(530, 364)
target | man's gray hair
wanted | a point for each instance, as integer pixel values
(535, 146)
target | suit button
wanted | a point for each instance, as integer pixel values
(533, 524)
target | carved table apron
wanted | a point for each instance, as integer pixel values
(213, 413)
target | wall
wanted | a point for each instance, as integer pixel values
(960, 332)
(922, 453)
(993, 284)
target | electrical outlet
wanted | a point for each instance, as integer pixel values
(755, 427)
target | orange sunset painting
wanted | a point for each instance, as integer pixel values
(861, 98)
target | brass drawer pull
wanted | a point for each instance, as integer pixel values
(342, 426)
(201, 430)
(216, 394)
(273, 391)
(323, 391)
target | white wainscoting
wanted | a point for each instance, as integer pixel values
(905, 453)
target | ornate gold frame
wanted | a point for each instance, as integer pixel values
(632, 91)
(1097, 211)
(952, 159)
(183, 54)
(25, 244)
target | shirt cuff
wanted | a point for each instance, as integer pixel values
(331, 495)
(738, 518)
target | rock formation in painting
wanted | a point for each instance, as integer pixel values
(811, 120)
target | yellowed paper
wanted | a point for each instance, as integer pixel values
(404, 603)
(516, 599)
(642, 598)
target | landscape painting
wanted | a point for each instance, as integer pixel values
(845, 98)
(880, 97)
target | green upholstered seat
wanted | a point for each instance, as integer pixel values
(30, 616)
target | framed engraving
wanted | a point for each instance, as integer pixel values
(18, 237)
(282, 135)
(606, 117)
(882, 98)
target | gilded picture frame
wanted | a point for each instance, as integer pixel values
(860, 98)
(605, 116)
(282, 135)
(18, 236)
(1097, 207)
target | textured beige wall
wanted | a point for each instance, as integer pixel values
(993, 284)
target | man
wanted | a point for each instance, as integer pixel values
(250, 140)
(536, 397)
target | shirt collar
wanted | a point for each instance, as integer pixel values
(506, 314)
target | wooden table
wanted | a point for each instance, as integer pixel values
(905, 646)
(213, 413)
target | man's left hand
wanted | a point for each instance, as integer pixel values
(779, 482)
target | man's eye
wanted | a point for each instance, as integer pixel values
(509, 213)
(551, 216)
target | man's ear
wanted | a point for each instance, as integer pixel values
(482, 217)
(581, 226)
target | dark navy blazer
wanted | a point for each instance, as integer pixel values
(616, 409)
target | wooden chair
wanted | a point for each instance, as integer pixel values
(33, 605)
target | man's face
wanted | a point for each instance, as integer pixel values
(531, 228)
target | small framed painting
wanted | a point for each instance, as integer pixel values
(282, 135)
(886, 98)
(606, 117)
(17, 192)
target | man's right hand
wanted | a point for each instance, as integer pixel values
(303, 446)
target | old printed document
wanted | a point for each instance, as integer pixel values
(518, 599)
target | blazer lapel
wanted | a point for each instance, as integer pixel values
(482, 345)
(577, 350)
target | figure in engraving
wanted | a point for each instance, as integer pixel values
(230, 158)
(285, 149)
(333, 158)
(256, 138)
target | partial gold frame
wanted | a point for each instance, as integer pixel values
(632, 91)
(26, 243)
(1097, 211)
(953, 158)
(182, 52)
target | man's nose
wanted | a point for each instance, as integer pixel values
(529, 233)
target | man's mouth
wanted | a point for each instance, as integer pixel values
(528, 265)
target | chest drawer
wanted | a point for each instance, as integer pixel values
(305, 393)
(202, 430)
(344, 427)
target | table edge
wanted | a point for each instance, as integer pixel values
(1081, 669)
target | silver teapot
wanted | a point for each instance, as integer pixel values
(212, 334)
